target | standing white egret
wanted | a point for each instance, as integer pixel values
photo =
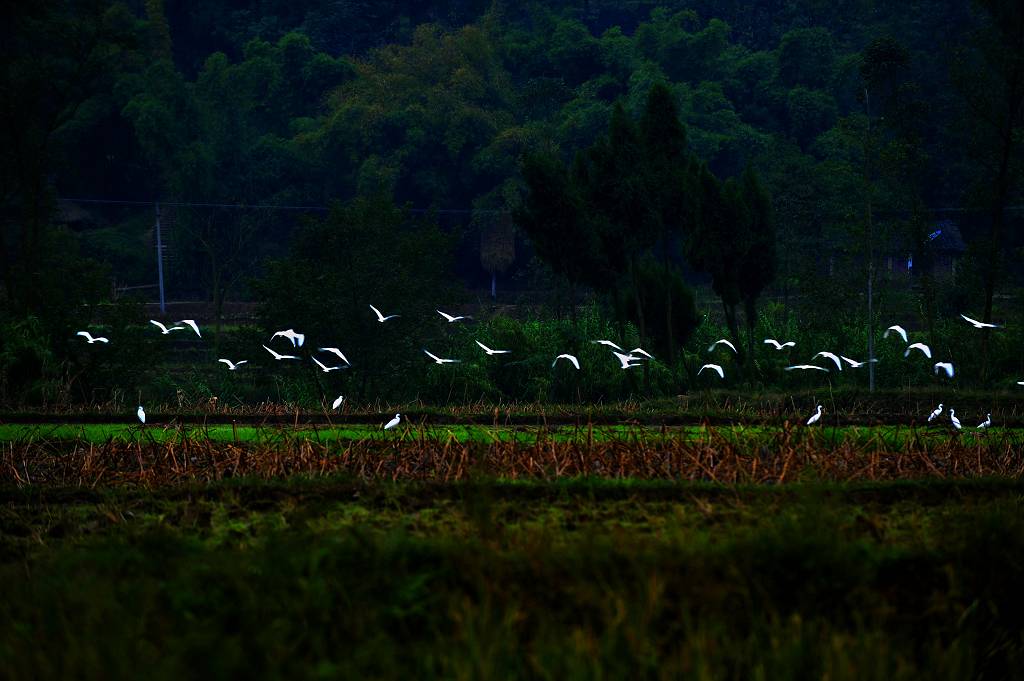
(337, 352)
(232, 365)
(779, 346)
(980, 325)
(489, 351)
(141, 413)
(805, 367)
(641, 351)
(278, 356)
(575, 362)
(380, 317)
(439, 360)
(714, 367)
(927, 351)
(452, 318)
(896, 328)
(337, 402)
(89, 337)
(722, 341)
(393, 422)
(944, 366)
(832, 356)
(326, 369)
(986, 423)
(815, 417)
(626, 361)
(854, 364)
(163, 329)
(954, 420)
(192, 323)
(936, 413)
(608, 343)
(297, 339)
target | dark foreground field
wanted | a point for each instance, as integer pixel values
(769, 555)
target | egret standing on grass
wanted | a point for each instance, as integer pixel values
(986, 423)
(337, 402)
(89, 337)
(954, 420)
(393, 422)
(141, 413)
(232, 365)
(380, 317)
(936, 413)
(575, 362)
(713, 367)
(815, 417)
(163, 329)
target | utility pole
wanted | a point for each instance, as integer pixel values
(160, 260)
(871, 247)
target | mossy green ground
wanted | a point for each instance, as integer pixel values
(576, 579)
(886, 436)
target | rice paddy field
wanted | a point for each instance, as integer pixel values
(328, 548)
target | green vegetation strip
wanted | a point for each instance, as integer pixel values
(579, 579)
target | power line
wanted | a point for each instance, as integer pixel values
(263, 206)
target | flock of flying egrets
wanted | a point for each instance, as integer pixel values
(627, 360)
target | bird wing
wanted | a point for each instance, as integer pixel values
(446, 316)
(192, 323)
(851, 362)
(85, 334)
(805, 367)
(642, 352)
(244, 361)
(380, 317)
(608, 343)
(230, 364)
(713, 367)
(975, 322)
(898, 329)
(486, 349)
(432, 355)
(276, 356)
(774, 343)
(161, 326)
(575, 362)
(320, 364)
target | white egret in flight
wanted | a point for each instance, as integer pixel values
(944, 366)
(452, 318)
(163, 329)
(192, 323)
(393, 422)
(713, 367)
(337, 402)
(831, 356)
(326, 369)
(815, 417)
(232, 365)
(779, 346)
(337, 352)
(608, 343)
(439, 360)
(297, 339)
(805, 367)
(854, 364)
(896, 328)
(927, 351)
(279, 356)
(722, 341)
(575, 362)
(954, 420)
(380, 317)
(986, 423)
(89, 337)
(141, 413)
(489, 351)
(936, 413)
(626, 361)
(980, 325)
